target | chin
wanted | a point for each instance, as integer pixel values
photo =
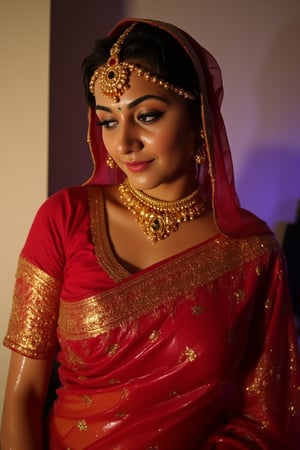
(142, 183)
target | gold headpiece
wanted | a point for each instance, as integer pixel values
(114, 76)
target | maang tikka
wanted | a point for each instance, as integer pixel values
(114, 76)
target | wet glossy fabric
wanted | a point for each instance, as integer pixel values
(196, 352)
(168, 358)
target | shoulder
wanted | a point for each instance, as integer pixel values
(61, 211)
(264, 243)
(68, 196)
(62, 216)
(261, 249)
(66, 203)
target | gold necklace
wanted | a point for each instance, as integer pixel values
(159, 218)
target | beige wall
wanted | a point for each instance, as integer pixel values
(24, 56)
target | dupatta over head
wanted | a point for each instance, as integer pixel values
(216, 175)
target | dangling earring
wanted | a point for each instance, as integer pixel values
(200, 154)
(110, 162)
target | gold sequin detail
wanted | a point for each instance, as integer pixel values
(197, 310)
(32, 325)
(238, 296)
(188, 354)
(82, 425)
(74, 359)
(268, 304)
(102, 244)
(292, 408)
(264, 382)
(87, 400)
(258, 270)
(264, 425)
(154, 335)
(112, 349)
(180, 277)
(125, 393)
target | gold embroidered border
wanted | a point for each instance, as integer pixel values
(99, 235)
(160, 286)
(33, 320)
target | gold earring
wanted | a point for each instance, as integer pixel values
(200, 156)
(110, 162)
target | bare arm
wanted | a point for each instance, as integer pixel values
(25, 395)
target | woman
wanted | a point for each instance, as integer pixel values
(167, 302)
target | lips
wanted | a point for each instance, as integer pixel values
(138, 166)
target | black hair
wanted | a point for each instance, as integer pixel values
(155, 49)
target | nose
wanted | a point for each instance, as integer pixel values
(128, 138)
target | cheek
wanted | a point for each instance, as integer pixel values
(108, 142)
(180, 141)
(170, 135)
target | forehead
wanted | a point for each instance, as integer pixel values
(138, 87)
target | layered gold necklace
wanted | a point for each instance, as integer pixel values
(158, 218)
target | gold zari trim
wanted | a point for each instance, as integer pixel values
(33, 320)
(98, 230)
(160, 286)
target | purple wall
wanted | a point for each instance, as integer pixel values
(75, 26)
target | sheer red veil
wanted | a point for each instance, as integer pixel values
(216, 174)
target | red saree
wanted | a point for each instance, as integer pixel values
(196, 352)
(171, 357)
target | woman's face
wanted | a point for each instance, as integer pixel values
(151, 136)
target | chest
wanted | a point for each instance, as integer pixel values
(134, 248)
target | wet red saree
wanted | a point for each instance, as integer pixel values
(196, 352)
(168, 358)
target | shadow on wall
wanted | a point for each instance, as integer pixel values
(291, 249)
(270, 183)
(74, 28)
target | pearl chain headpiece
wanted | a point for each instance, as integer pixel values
(114, 76)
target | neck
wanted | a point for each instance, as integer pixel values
(170, 192)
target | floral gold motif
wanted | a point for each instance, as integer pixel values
(82, 425)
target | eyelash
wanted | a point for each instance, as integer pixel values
(105, 123)
(153, 115)
(143, 117)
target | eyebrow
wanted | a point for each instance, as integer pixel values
(134, 103)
